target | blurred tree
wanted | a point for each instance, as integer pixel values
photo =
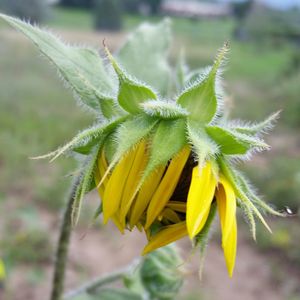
(31, 10)
(77, 3)
(241, 10)
(154, 5)
(131, 6)
(108, 14)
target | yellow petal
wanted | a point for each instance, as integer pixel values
(166, 236)
(144, 196)
(115, 185)
(200, 196)
(167, 186)
(116, 220)
(226, 201)
(177, 206)
(229, 248)
(170, 215)
(133, 179)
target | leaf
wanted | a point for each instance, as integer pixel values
(131, 91)
(163, 109)
(81, 68)
(145, 54)
(231, 142)
(201, 98)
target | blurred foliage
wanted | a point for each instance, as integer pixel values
(31, 10)
(108, 14)
(279, 180)
(24, 235)
(285, 239)
(77, 3)
(264, 24)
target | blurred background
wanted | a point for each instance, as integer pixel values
(37, 114)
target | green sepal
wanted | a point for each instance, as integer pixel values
(167, 141)
(232, 176)
(256, 128)
(145, 55)
(232, 142)
(201, 98)
(85, 140)
(128, 135)
(87, 179)
(164, 109)
(204, 147)
(131, 91)
(160, 275)
(131, 132)
(109, 107)
(81, 68)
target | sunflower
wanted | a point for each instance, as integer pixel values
(162, 153)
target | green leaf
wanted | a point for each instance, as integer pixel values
(131, 91)
(163, 109)
(145, 55)
(232, 142)
(81, 68)
(201, 98)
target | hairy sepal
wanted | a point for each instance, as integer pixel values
(86, 181)
(85, 140)
(256, 128)
(202, 98)
(81, 68)
(145, 54)
(167, 141)
(164, 109)
(127, 136)
(132, 92)
(204, 147)
(234, 143)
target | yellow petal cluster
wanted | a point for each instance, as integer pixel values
(152, 207)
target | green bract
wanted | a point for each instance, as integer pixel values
(154, 125)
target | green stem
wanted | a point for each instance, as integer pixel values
(93, 285)
(63, 247)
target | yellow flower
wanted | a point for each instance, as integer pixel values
(176, 198)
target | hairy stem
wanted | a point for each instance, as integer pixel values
(96, 283)
(62, 247)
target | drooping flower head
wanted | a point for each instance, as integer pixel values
(162, 153)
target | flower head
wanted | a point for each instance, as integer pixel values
(161, 161)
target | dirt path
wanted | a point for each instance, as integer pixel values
(101, 251)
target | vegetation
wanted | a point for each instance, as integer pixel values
(260, 77)
(108, 14)
(31, 10)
